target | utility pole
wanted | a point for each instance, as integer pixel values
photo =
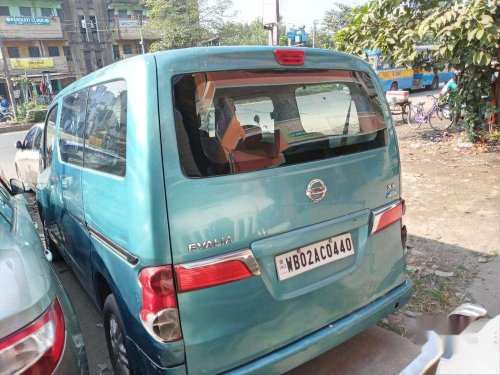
(270, 20)
(142, 38)
(7, 79)
(314, 33)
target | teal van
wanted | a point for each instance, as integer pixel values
(231, 210)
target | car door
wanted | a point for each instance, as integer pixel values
(24, 154)
(33, 159)
(68, 168)
(48, 187)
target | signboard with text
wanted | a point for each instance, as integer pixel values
(32, 63)
(27, 21)
(126, 23)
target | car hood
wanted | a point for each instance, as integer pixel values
(26, 279)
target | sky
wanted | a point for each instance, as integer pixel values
(294, 12)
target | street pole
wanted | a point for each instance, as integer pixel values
(7, 78)
(314, 33)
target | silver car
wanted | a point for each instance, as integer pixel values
(28, 156)
(39, 332)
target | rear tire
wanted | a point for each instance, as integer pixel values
(442, 125)
(115, 337)
(410, 119)
(394, 86)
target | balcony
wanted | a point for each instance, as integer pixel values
(35, 66)
(30, 28)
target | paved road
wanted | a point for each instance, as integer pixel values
(8, 152)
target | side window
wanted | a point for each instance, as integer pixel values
(49, 130)
(72, 127)
(29, 139)
(106, 131)
(38, 139)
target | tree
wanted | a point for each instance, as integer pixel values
(184, 23)
(466, 34)
(334, 20)
(234, 33)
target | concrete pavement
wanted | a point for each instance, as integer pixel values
(374, 351)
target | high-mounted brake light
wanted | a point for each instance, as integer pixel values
(36, 348)
(159, 312)
(388, 215)
(289, 56)
(206, 276)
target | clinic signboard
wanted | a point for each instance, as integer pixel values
(27, 21)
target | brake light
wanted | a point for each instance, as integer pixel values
(206, 276)
(289, 56)
(159, 313)
(36, 348)
(388, 215)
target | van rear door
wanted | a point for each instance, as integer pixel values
(270, 192)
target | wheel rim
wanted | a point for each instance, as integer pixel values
(118, 345)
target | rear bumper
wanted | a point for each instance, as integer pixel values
(326, 338)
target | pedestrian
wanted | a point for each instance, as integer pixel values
(4, 103)
(450, 86)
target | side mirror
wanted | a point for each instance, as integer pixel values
(17, 187)
(256, 118)
(19, 145)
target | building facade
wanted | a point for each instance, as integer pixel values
(59, 41)
(34, 45)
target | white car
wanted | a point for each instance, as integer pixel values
(28, 156)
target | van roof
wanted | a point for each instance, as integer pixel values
(229, 58)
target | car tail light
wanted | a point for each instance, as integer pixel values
(289, 57)
(159, 312)
(36, 348)
(209, 275)
(385, 216)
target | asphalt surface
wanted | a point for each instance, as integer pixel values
(8, 152)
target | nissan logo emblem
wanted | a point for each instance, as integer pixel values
(316, 190)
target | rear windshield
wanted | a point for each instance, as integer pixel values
(241, 121)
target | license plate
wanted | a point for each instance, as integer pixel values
(312, 256)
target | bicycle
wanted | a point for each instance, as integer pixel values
(6, 115)
(417, 116)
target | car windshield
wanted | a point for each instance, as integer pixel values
(241, 121)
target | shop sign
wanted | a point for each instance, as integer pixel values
(32, 63)
(126, 23)
(27, 21)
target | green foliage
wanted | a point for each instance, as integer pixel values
(466, 35)
(233, 33)
(184, 23)
(31, 112)
(334, 20)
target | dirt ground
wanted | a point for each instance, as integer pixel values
(452, 195)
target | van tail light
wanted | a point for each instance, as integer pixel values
(36, 348)
(387, 215)
(159, 313)
(290, 56)
(189, 279)
(211, 272)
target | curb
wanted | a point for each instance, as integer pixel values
(15, 128)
